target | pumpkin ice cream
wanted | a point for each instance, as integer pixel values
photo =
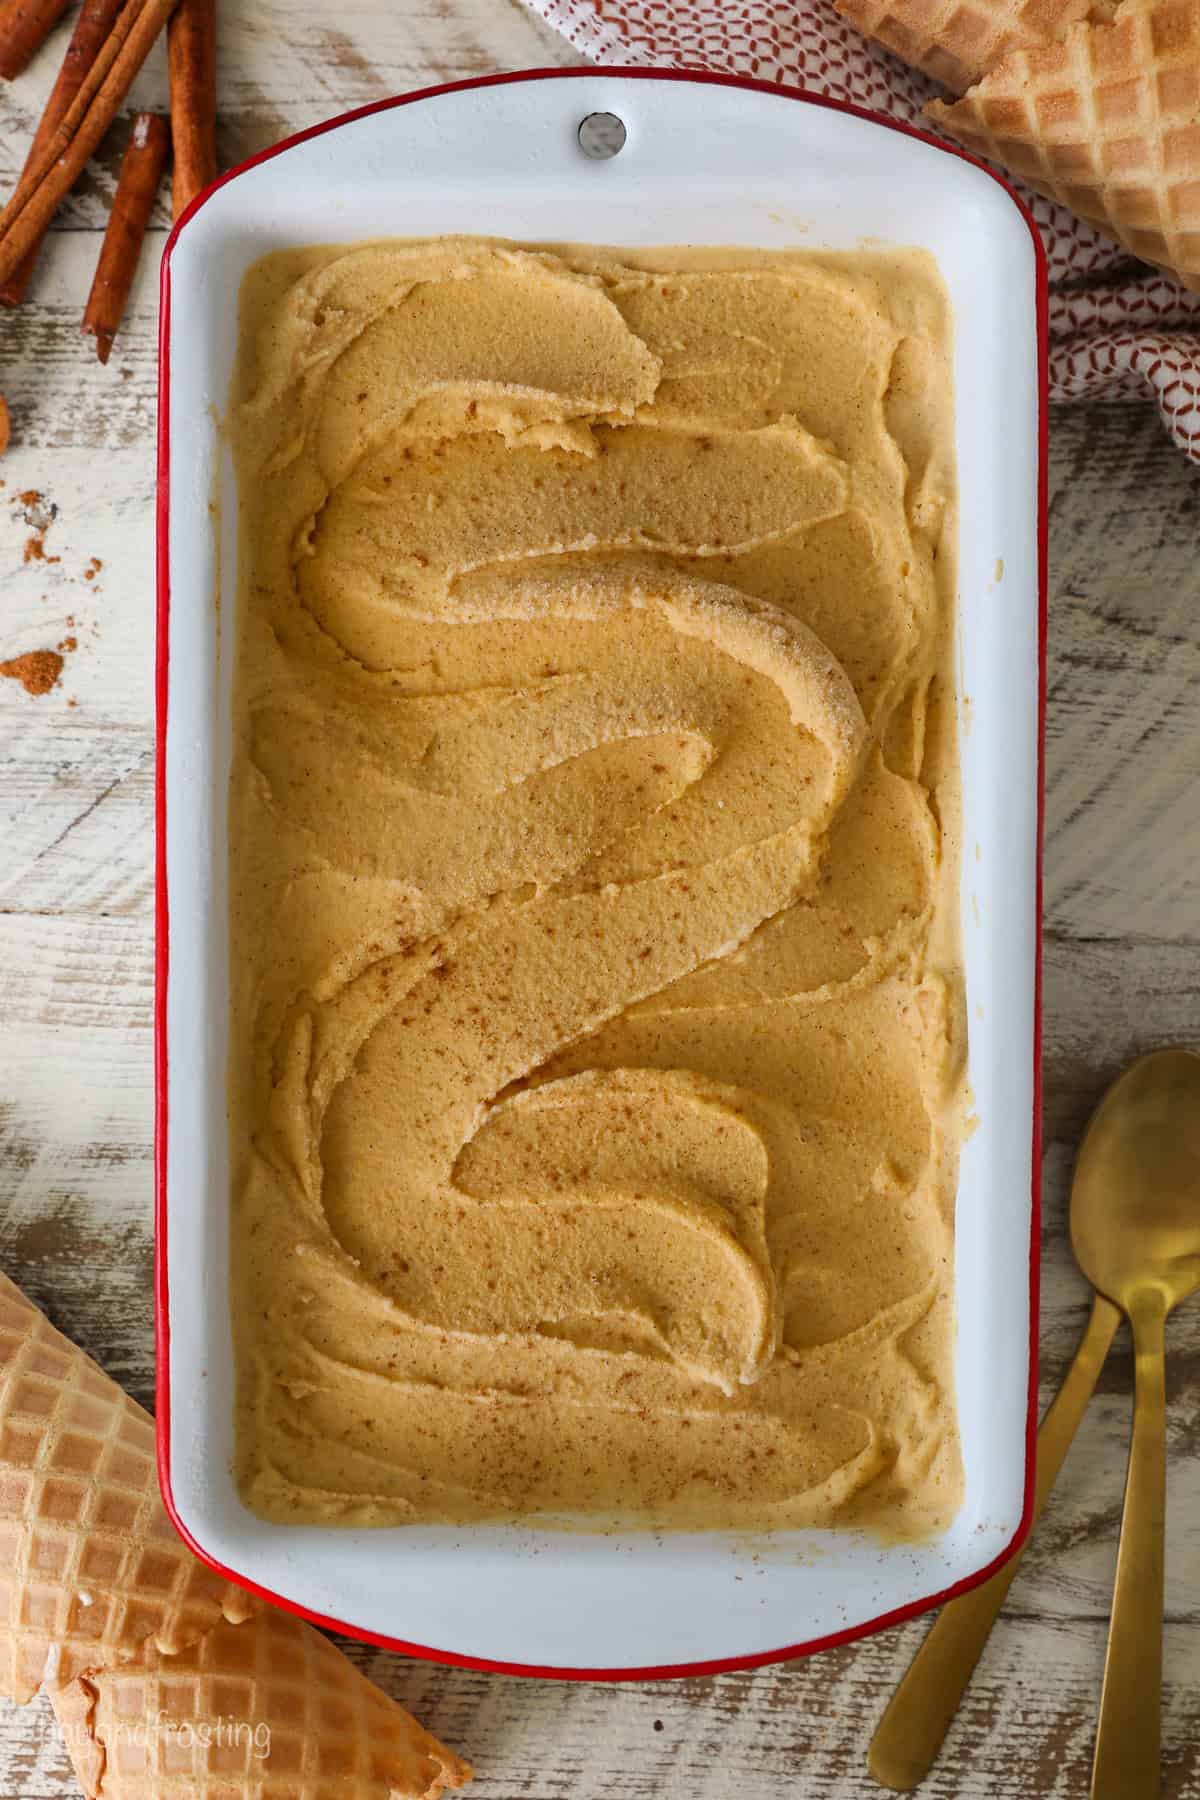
(597, 1041)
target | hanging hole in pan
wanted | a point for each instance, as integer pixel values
(602, 135)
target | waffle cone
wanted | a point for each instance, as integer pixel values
(958, 41)
(1108, 123)
(268, 1710)
(90, 1566)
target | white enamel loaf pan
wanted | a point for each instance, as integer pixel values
(705, 161)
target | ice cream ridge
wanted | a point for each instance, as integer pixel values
(598, 1045)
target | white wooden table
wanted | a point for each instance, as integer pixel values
(1122, 973)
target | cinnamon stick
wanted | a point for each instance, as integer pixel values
(192, 66)
(92, 27)
(24, 27)
(43, 185)
(141, 171)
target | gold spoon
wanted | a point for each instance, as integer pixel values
(1138, 1241)
(912, 1729)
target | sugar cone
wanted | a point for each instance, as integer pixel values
(958, 41)
(90, 1566)
(268, 1710)
(1108, 123)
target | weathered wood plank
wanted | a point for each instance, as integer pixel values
(59, 396)
(1026, 1729)
(800, 1729)
(1105, 1002)
(1123, 749)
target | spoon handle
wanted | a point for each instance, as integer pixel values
(1126, 1763)
(919, 1713)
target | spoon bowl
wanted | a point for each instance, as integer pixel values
(1135, 1204)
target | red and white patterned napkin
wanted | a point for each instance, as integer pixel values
(1115, 324)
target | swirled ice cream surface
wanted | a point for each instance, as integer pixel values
(598, 1046)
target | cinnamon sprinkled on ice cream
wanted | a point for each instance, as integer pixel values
(597, 1022)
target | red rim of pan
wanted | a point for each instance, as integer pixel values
(718, 1665)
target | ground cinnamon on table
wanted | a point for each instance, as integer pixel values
(24, 27)
(95, 21)
(37, 670)
(45, 182)
(141, 171)
(5, 426)
(192, 67)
